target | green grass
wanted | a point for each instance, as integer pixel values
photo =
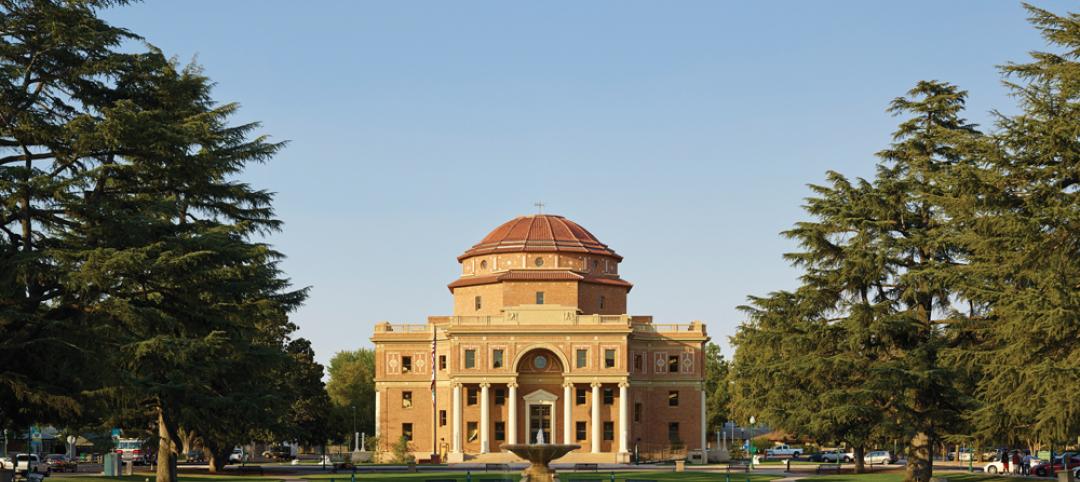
(898, 476)
(563, 476)
(141, 477)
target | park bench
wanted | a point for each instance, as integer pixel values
(498, 467)
(592, 467)
(737, 467)
(250, 469)
(827, 467)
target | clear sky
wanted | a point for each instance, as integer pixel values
(682, 134)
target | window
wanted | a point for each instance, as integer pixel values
(500, 396)
(609, 396)
(673, 398)
(579, 431)
(609, 358)
(406, 364)
(483, 264)
(539, 297)
(539, 262)
(582, 358)
(442, 362)
(580, 399)
(472, 431)
(500, 431)
(637, 412)
(470, 396)
(609, 430)
(673, 432)
(638, 361)
(470, 358)
(406, 431)
(442, 418)
(673, 364)
(496, 358)
(595, 265)
(477, 303)
(406, 399)
(602, 300)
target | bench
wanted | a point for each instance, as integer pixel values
(826, 467)
(250, 469)
(737, 467)
(592, 467)
(499, 467)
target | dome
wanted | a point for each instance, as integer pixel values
(540, 233)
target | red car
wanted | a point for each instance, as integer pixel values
(1043, 469)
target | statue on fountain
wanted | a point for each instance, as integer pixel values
(539, 456)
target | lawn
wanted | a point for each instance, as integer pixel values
(143, 477)
(898, 475)
(564, 476)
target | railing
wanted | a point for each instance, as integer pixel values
(669, 327)
(511, 320)
(404, 328)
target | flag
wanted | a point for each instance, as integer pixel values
(433, 366)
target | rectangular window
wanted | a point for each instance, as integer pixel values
(539, 297)
(602, 300)
(406, 431)
(500, 396)
(579, 431)
(442, 418)
(472, 431)
(673, 398)
(582, 358)
(637, 412)
(673, 432)
(496, 358)
(500, 431)
(442, 362)
(406, 399)
(476, 301)
(609, 358)
(609, 396)
(673, 364)
(580, 399)
(470, 358)
(609, 430)
(638, 362)
(406, 364)
(470, 396)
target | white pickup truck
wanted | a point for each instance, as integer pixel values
(24, 464)
(783, 449)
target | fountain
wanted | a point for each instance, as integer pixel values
(539, 455)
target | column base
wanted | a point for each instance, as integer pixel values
(455, 457)
(622, 458)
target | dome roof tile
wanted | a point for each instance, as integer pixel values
(540, 233)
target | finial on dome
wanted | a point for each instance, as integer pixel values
(539, 207)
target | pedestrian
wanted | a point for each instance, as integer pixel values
(1025, 464)
(1015, 465)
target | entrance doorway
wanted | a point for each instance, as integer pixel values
(540, 421)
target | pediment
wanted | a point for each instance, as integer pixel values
(541, 396)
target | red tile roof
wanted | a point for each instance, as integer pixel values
(536, 275)
(540, 233)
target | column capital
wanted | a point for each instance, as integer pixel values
(624, 384)
(456, 385)
(485, 385)
(512, 384)
(568, 384)
(595, 384)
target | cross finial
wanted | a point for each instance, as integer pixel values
(539, 207)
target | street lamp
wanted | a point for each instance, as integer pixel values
(750, 443)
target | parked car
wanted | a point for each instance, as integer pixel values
(879, 457)
(838, 456)
(278, 453)
(24, 463)
(61, 463)
(783, 449)
(237, 456)
(816, 457)
(195, 456)
(1042, 469)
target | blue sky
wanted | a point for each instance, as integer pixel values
(682, 134)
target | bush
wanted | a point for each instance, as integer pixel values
(401, 451)
(762, 444)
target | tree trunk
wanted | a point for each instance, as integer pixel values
(919, 462)
(187, 440)
(166, 456)
(860, 463)
(218, 459)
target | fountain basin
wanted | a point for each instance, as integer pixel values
(539, 456)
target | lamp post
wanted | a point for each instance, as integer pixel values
(750, 442)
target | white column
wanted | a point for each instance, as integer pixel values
(455, 434)
(624, 417)
(378, 411)
(485, 418)
(596, 423)
(511, 425)
(568, 406)
(704, 435)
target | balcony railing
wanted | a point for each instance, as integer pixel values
(576, 320)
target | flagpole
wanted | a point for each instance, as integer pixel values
(434, 406)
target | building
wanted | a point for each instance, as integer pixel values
(540, 342)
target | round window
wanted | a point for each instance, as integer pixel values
(539, 262)
(540, 362)
(483, 264)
